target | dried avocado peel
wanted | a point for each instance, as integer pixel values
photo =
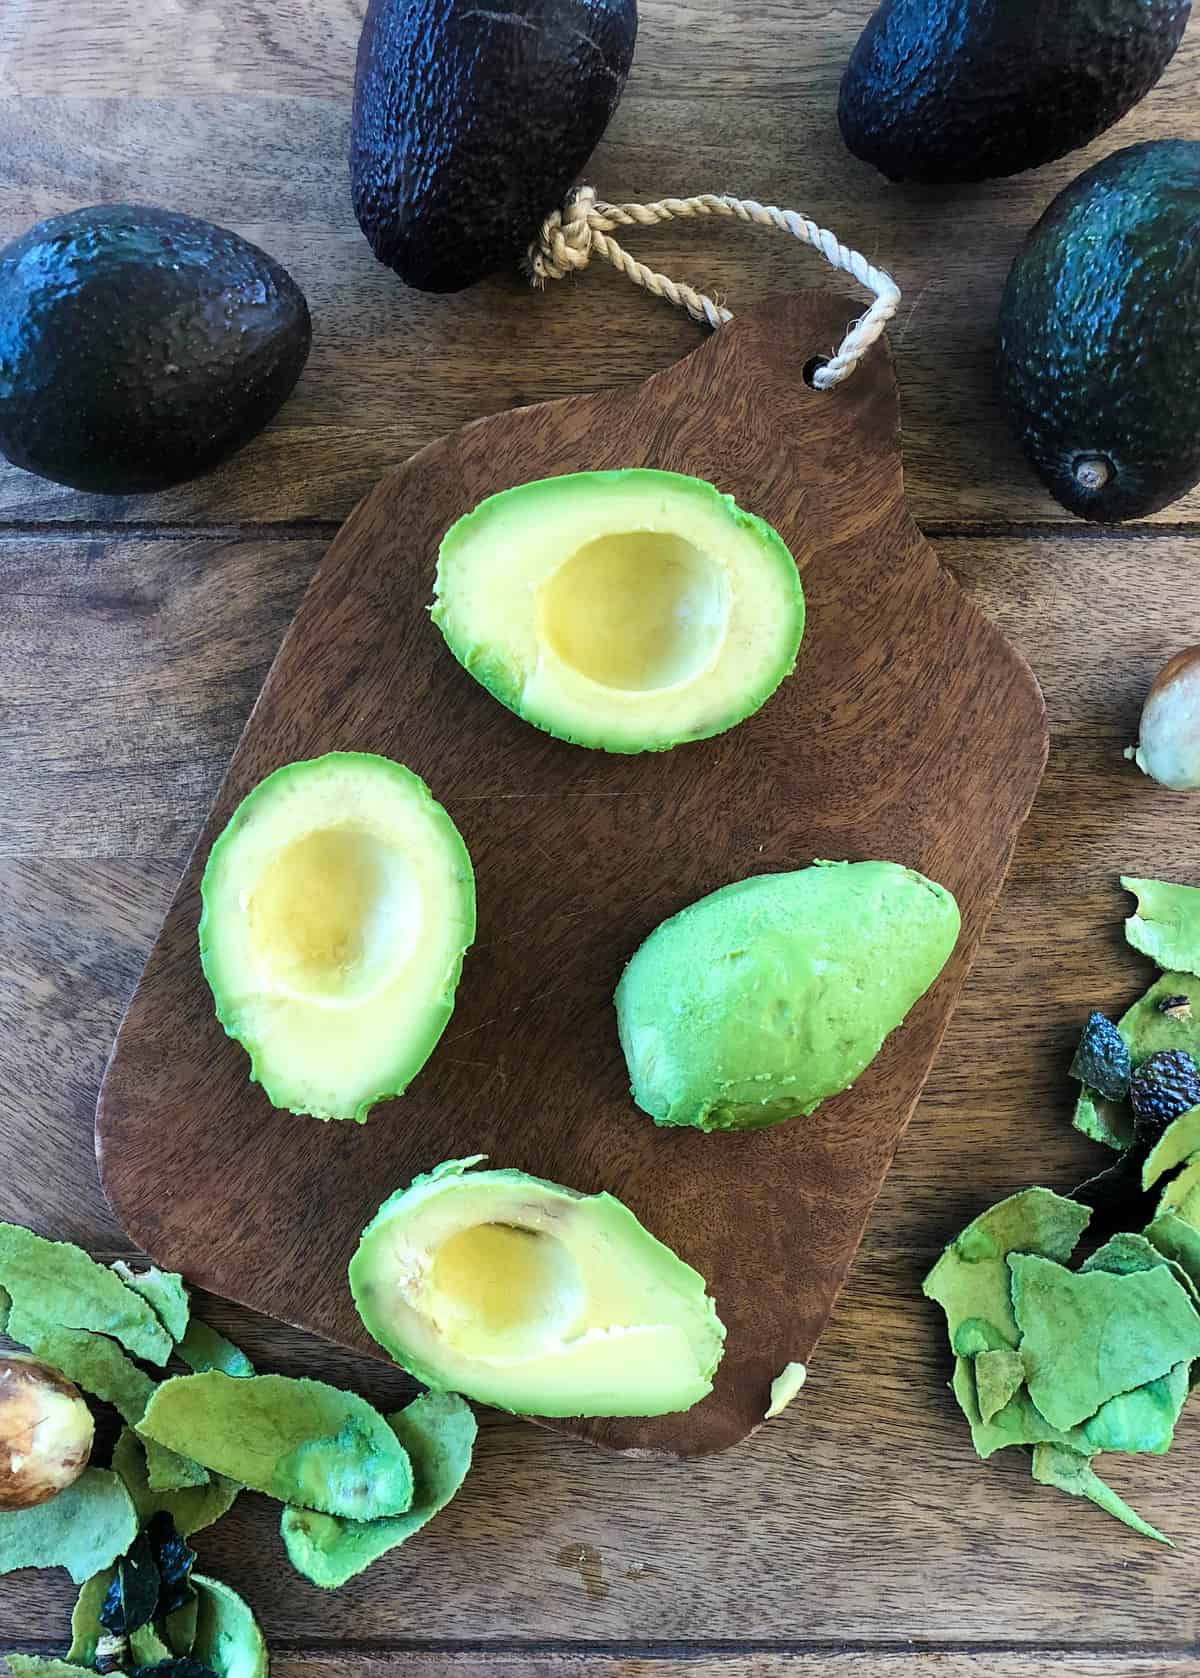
(202, 1349)
(1175, 1146)
(1055, 1466)
(39, 1666)
(1106, 1122)
(297, 1440)
(1176, 1241)
(180, 1627)
(86, 1630)
(999, 1376)
(227, 1640)
(1124, 1253)
(438, 1432)
(1146, 1029)
(1086, 1336)
(83, 1529)
(1181, 1197)
(59, 1283)
(72, 1312)
(1144, 1419)
(191, 1507)
(1019, 1422)
(1166, 923)
(971, 1279)
(164, 1292)
(1141, 1420)
(146, 1647)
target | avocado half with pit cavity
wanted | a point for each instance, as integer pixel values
(338, 903)
(627, 611)
(756, 1003)
(529, 1296)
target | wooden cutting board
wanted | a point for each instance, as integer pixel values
(910, 731)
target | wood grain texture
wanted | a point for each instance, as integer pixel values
(241, 114)
(911, 731)
(828, 1663)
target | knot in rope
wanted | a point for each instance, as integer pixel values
(565, 243)
(585, 224)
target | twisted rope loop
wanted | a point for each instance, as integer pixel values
(584, 226)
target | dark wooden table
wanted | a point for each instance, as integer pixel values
(857, 1533)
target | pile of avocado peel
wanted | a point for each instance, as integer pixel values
(1067, 1359)
(352, 1483)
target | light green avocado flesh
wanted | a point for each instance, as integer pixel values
(531, 1297)
(757, 1002)
(627, 611)
(338, 903)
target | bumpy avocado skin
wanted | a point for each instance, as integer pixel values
(759, 1001)
(1099, 337)
(470, 123)
(140, 348)
(962, 90)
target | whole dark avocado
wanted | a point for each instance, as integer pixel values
(470, 123)
(139, 348)
(961, 90)
(1099, 340)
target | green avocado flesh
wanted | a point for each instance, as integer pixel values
(628, 611)
(757, 1002)
(338, 904)
(531, 1297)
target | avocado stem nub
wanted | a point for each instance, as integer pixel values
(1092, 473)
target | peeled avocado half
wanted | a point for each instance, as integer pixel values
(757, 1002)
(531, 1297)
(628, 611)
(338, 903)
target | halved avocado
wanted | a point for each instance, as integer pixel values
(338, 903)
(534, 1298)
(627, 611)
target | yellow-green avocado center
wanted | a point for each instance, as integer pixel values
(758, 1001)
(338, 902)
(625, 610)
(526, 1295)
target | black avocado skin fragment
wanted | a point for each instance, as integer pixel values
(1164, 1086)
(174, 1558)
(131, 1601)
(1102, 1059)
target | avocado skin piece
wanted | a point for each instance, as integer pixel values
(963, 90)
(1099, 336)
(470, 124)
(140, 348)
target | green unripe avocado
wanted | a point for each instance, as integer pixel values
(759, 1001)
